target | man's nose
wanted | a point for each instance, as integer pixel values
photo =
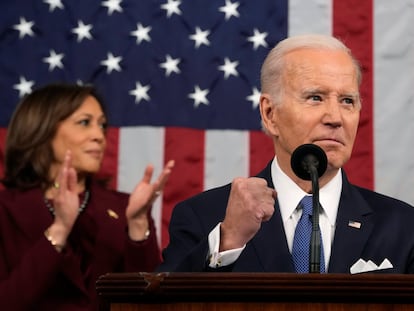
(332, 114)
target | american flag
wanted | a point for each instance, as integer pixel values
(180, 79)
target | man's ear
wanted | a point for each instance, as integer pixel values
(268, 112)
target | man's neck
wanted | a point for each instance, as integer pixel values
(306, 185)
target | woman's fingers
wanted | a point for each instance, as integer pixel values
(163, 178)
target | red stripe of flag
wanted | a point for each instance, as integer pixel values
(353, 23)
(261, 151)
(186, 147)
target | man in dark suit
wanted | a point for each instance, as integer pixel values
(310, 95)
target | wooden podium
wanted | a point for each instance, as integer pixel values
(254, 291)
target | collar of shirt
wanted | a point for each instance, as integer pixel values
(289, 194)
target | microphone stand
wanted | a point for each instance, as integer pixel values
(315, 244)
(309, 162)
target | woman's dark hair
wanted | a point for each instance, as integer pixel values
(28, 151)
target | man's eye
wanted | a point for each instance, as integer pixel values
(315, 98)
(348, 101)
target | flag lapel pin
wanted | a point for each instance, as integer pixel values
(354, 224)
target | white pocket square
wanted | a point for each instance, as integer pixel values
(365, 266)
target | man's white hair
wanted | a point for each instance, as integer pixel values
(274, 64)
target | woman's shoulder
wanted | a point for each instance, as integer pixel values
(13, 194)
(6, 195)
(20, 201)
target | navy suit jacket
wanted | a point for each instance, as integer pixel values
(386, 231)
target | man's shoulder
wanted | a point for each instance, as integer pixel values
(376, 199)
(208, 207)
(215, 199)
(212, 194)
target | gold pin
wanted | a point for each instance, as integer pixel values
(112, 214)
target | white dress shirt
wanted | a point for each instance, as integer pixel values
(288, 195)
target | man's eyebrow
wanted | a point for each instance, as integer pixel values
(324, 91)
(315, 91)
(347, 94)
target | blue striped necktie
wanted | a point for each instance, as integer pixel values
(301, 240)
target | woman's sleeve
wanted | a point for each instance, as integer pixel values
(30, 279)
(143, 256)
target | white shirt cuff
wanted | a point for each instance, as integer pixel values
(218, 259)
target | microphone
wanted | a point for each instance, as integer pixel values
(309, 162)
(305, 158)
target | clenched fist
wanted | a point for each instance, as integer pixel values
(250, 203)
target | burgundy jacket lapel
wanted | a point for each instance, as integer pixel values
(30, 212)
(33, 218)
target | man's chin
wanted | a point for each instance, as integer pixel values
(335, 162)
(336, 165)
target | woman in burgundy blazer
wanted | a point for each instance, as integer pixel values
(59, 228)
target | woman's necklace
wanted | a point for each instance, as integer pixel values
(81, 207)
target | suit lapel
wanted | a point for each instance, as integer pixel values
(270, 242)
(271, 245)
(354, 224)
